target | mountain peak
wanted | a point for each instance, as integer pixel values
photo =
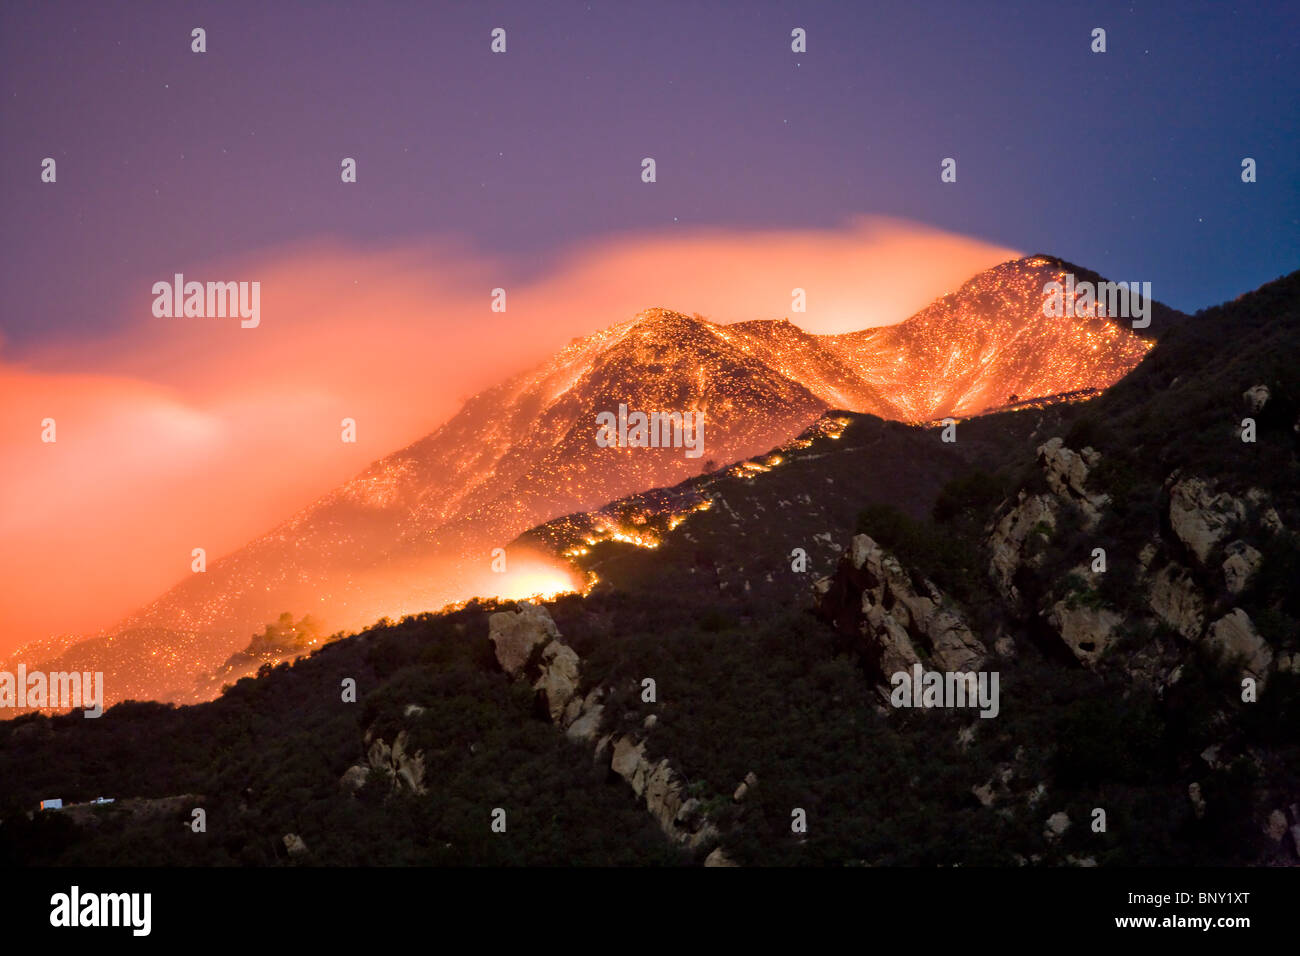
(666, 327)
(658, 314)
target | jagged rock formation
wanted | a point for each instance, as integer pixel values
(664, 793)
(1240, 563)
(1234, 635)
(529, 633)
(514, 635)
(1087, 631)
(528, 646)
(1176, 600)
(1066, 472)
(1201, 519)
(396, 762)
(1046, 551)
(1018, 533)
(1032, 519)
(1201, 529)
(899, 619)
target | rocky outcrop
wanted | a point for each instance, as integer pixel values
(745, 786)
(528, 646)
(1066, 472)
(1240, 563)
(1175, 599)
(354, 778)
(516, 636)
(900, 620)
(664, 793)
(397, 762)
(1235, 636)
(1200, 518)
(1269, 520)
(1056, 826)
(1202, 534)
(559, 680)
(585, 727)
(1086, 630)
(1256, 397)
(628, 757)
(1017, 532)
(408, 764)
(1032, 516)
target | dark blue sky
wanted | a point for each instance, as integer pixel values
(1127, 162)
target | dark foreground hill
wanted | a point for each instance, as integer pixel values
(1147, 712)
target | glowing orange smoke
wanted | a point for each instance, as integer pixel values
(175, 434)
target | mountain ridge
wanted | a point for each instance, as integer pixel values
(761, 706)
(416, 528)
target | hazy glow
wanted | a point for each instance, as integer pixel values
(183, 433)
(529, 576)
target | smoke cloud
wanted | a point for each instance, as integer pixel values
(180, 433)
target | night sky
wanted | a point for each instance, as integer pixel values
(1127, 162)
